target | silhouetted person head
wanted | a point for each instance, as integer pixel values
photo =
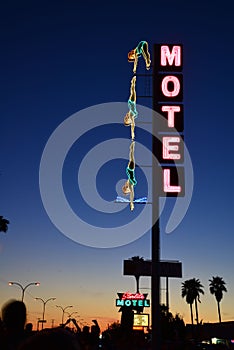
(95, 329)
(14, 316)
(29, 327)
(86, 329)
(50, 339)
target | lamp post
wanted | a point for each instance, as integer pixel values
(44, 305)
(63, 309)
(23, 288)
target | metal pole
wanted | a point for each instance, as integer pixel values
(43, 315)
(155, 288)
(23, 290)
(155, 239)
(137, 283)
(63, 309)
(167, 294)
(44, 306)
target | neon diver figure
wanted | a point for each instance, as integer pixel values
(141, 49)
(129, 118)
(141, 200)
(128, 187)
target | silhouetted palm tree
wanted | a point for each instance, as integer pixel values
(191, 289)
(3, 224)
(187, 292)
(198, 290)
(137, 276)
(217, 287)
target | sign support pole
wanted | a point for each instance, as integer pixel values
(155, 278)
(155, 234)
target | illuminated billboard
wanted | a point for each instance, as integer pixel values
(141, 320)
(132, 300)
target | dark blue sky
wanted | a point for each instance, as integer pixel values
(62, 57)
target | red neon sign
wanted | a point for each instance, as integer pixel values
(176, 86)
(170, 57)
(135, 296)
(169, 88)
(169, 145)
(171, 114)
(168, 98)
(167, 187)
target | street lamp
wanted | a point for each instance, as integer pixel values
(63, 309)
(44, 305)
(23, 288)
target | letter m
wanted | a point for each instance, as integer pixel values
(170, 57)
(119, 302)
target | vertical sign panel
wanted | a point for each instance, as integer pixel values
(168, 102)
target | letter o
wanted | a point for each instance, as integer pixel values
(176, 83)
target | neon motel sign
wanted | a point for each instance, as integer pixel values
(132, 300)
(168, 101)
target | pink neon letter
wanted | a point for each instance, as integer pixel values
(176, 83)
(166, 182)
(166, 55)
(167, 147)
(171, 114)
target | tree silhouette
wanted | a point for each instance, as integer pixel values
(171, 327)
(191, 289)
(217, 287)
(3, 224)
(136, 275)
